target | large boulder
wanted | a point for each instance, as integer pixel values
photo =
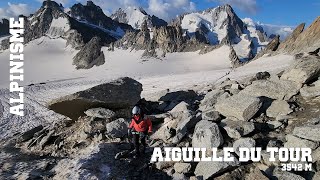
(100, 113)
(309, 131)
(176, 126)
(116, 95)
(117, 128)
(243, 143)
(206, 135)
(211, 115)
(207, 169)
(312, 91)
(303, 70)
(237, 129)
(295, 142)
(241, 107)
(210, 99)
(276, 89)
(278, 108)
(182, 167)
(256, 174)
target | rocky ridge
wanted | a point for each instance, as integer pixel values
(136, 17)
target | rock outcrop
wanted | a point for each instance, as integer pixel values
(287, 44)
(89, 55)
(306, 41)
(304, 70)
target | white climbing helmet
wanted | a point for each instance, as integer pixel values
(136, 110)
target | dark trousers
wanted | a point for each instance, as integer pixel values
(137, 138)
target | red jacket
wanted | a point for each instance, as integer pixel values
(142, 125)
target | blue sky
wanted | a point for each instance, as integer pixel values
(277, 12)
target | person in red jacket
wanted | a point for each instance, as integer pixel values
(139, 129)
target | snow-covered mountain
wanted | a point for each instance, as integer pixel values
(270, 30)
(221, 25)
(93, 15)
(136, 16)
(78, 28)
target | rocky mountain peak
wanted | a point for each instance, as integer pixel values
(52, 5)
(93, 14)
(4, 27)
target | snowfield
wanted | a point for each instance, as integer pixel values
(49, 61)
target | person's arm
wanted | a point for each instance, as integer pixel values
(149, 125)
(131, 125)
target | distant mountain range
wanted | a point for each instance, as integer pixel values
(134, 28)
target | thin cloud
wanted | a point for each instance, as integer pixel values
(165, 9)
(249, 6)
(14, 10)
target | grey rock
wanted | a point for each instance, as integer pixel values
(303, 70)
(90, 55)
(205, 170)
(122, 93)
(274, 124)
(309, 92)
(278, 108)
(256, 174)
(295, 142)
(241, 107)
(175, 126)
(211, 115)
(271, 47)
(285, 175)
(30, 134)
(179, 96)
(182, 167)
(243, 143)
(262, 75)
(266, 156)
(316, 176)
(206, 135)
(178, 176)
(164, 164)
(235, 61)
(117, 128)
(281, 89)
(210, 99)
(237, 129)
(309, 130)
(100, 113)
